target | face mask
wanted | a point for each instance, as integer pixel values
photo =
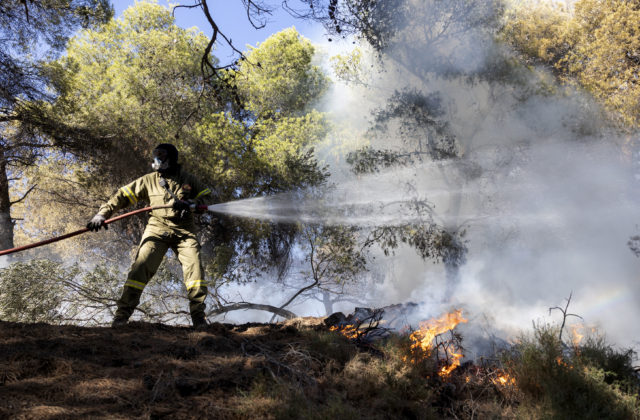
(159, 165)
(160, 160)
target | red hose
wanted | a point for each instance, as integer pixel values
(78, 232)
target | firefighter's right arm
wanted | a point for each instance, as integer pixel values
(125, 196)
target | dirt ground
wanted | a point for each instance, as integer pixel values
(138, 371)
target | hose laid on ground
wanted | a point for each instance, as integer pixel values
(78, 232)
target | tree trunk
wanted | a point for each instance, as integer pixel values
(6, 224)
(328, 303)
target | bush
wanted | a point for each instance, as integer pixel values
(589, 381)
(33, 291)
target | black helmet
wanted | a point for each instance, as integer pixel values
(165, 157)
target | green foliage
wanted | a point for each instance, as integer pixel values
(137, 78)
(418, 119)
(376, 21)
(595, 45)
(33, 291)
(270, 156)
(333, 253)
(136, 82)
(278, 75)
(617, 365)
(370, 160)
(29, 29)
(565, 383)
(397, 25)
(42, 290)
(428, 239)
(348, 67)
(48, 21)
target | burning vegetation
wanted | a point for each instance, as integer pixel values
(356, 366)
(431, 330)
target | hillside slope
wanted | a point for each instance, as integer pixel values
(291, 370)
(142, 370)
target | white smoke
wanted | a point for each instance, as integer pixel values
(548, 214)
(544, 190)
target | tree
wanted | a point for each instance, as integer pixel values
(595, 45)
(136, 82)
(333, 260)
(416, 114)
(44, 290)
(38, 28)
(128, 85)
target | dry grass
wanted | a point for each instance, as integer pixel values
(297, 369)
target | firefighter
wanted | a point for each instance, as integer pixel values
(167, 228)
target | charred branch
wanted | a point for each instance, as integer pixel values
(257, 306)
(565, 315)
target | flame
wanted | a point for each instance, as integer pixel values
(561, 362)
(455, 362)
(424, 336)
(349, 331)
(504, 379)
(576, 334)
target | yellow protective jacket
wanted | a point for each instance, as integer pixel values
(147, 188)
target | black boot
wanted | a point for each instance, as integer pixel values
(119, 321)
(199, 321)
(126, 305)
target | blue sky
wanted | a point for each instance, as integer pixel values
(230, 16)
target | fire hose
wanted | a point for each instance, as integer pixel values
(81, 231)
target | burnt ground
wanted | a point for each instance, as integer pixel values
(297, 369)
(144, 370)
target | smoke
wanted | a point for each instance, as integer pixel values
(548, 208)
(542, 187)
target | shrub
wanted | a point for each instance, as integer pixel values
(564, 382)
(33, 291)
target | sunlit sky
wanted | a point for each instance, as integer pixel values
(231, 18)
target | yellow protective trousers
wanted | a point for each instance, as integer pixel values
(153, 246)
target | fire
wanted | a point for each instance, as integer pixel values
(455, 362)
(424, 336)
(504, 379)
(561, 362)
(576, 334)
(349, 331)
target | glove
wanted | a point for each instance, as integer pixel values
(182, 207)
(96, 223)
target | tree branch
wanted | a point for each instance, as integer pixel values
(24, 196)
(248, 305)
(565, 315)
